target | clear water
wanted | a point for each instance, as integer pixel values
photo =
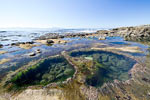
(109, 66)
(50, 70)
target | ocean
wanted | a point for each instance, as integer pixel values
(8, 36)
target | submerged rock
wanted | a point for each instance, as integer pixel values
(137, 33)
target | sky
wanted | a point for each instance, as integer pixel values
(74, 13)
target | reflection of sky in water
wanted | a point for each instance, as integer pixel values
(15, 52)
(9, 37)
(20, 36)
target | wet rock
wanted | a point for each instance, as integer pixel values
(49, 41)
(38, 51)
(138, 33)
(102, 38)
(18, 43)
(29, 42)
(102, 32)
(3, 31)
(32, 54)
(145, 79)
(59, 36)
(51, 36)
(1, 45)
(5, 40)
(118, 97)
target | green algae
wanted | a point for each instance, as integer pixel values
(107, 66)
(50, 70)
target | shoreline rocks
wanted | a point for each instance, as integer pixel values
(137, 33)
(25, 45)
(52, 41)
(59, 36)
(18, 43)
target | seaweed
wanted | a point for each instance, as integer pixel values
(107, 66)
(47, 71)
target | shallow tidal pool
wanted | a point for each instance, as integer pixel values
(107, 66)
(55, 69)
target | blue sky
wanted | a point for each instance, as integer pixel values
(74, 13)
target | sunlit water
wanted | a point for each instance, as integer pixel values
(8, 36)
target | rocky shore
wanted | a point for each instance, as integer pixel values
(76, 87)
(137, 33)
(66, 35)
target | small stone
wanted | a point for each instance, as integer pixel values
(32, 54)
(1, 45)
(102, 38)
(30, 42)
(38, 51)
(50, 41)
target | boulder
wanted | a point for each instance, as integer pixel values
(1, 45)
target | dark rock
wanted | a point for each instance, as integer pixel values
(56, 35)
(130, 33)
(50, 41)
(38, 51)
(32, 54)
(4, 39)
(29, 42)
(102, 32)
(18, 43)
(3, 31)
(102, 38)
(1, 45)
(51, 36)
(145, 79)
(118, 97)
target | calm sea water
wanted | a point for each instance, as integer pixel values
(8, 36)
